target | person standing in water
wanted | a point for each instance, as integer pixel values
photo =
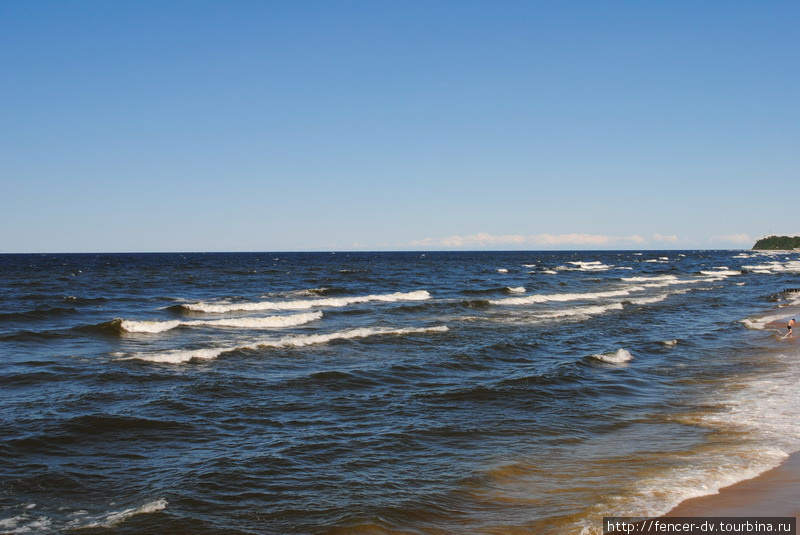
(789, 326)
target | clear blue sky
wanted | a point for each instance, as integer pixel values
(338, 125)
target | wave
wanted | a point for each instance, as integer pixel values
(792, 266)
(221, 308)
(648, 300)
(486, 291)
(585, 266)
(674, 282)
(779, 321)
(594, 265)
(717, 272)
(594, 310)
(539, 298)
(292, 320)
(475, 303)
(185, 355)
(85, 300)
(37, 314)
(29, 521)
(515, 290)
(32, 336)
(651, 278)
(617, 357)
(325, 290)
(113, 518)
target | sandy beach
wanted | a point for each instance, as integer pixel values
(773, 493)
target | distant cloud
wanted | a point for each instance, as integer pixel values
(672, 238)
(734, 238)
(483, 239)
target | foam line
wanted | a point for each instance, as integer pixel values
(532, 299)
(236, 323)
(181, 355)
(221, 308)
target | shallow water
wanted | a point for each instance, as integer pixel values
(524, 392)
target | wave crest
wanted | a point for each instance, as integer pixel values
(180, 356)
(221, 308)
(235, 323)
(617, 357)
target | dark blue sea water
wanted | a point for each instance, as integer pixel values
(425, 393)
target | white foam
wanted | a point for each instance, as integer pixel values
(10, 523)
(502, 270)
(151, 327)
(761, 322)
(114, 518)
(539, 298)
(516, 290)
(649, 300)
(721, 273)
(651, 278)
(29, 523)
(789, 266)
(178, 356)
(765, 407)
(760, 411)
(181, 356)
(26, 523)
(618, 357)
(236, 323)
(300, 341)
(221, 308)
(670, 343)
(592, 310)
(707, 474)
(664, 283)
(588, 266)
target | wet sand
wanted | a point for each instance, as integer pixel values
(773, 493)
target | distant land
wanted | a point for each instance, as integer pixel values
(778, 242)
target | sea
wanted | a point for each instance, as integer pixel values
(387, 392)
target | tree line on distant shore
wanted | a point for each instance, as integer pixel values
(778, 242)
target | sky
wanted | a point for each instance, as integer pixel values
(381, 125)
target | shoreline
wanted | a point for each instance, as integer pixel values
(775, 492)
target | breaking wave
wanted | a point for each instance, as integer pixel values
(617, 357)
(186, 355)
(30, 521)
(292, 320)
(221, 308)
(594, 310)
(539, 298)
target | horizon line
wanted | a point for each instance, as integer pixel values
(348, 251)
